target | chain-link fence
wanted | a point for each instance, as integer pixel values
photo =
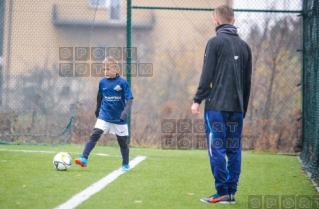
(51, 56)
(309, 144)
(52, 66)
(175, 47)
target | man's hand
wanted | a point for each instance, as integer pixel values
(195, 108)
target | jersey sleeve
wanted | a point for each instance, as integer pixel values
(99, 90)
(127, 91)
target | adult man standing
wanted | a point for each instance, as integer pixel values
(225, 86)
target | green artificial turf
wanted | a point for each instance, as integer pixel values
(166, 179)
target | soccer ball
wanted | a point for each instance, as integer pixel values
(62, 161)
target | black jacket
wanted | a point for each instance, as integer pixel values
(226, 76)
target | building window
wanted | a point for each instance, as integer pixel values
(115, 10)
(99, 3)
(114, 7)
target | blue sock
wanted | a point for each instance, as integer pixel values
(88, 148)
(125, 155)
(92, 142)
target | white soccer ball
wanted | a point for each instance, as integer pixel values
(62, 161)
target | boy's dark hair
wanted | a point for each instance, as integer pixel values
(225, 13)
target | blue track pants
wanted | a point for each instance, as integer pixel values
(223, 135)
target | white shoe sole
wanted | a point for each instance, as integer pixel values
(221, 202)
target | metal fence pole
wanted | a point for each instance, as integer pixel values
(128, 55)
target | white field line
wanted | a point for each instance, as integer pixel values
(77, 199)
(50, 152)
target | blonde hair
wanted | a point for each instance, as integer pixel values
(224, 13)
(111, 61)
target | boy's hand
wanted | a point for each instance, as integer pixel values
(195, 108)
(97, 112)
(123, 116)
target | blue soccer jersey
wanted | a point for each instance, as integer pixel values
(115, 92)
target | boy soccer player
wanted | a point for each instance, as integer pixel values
(225, 85)
(114, 101)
